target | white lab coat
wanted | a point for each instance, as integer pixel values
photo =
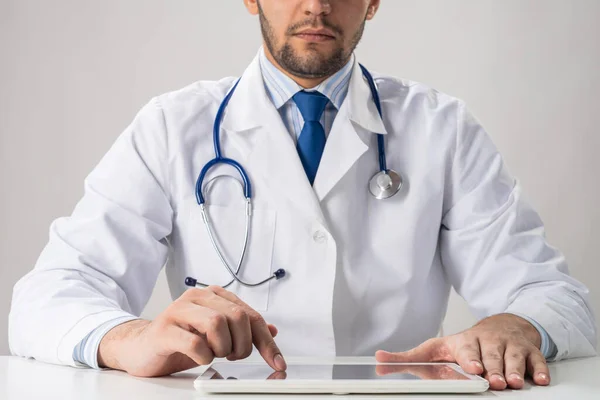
(363, 274)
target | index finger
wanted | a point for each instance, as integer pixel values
(261, 335)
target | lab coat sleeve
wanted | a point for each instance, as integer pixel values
(102, 262)
(494, 250)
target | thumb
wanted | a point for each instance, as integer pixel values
(431, 350)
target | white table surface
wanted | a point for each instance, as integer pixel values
(29, 379)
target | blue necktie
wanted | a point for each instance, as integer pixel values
(311, 142)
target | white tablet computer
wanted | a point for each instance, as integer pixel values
(339, 378)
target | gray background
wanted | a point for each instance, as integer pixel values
(73, 73)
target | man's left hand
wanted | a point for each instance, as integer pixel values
(501, 348)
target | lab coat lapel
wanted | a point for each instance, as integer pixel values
(351, 134)
(253, 125)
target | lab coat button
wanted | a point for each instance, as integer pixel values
(320, 237)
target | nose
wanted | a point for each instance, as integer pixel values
(317, 7)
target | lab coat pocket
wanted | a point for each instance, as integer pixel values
(228, 224)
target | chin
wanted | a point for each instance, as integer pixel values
(312, 50)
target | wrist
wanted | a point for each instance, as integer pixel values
(117, 341)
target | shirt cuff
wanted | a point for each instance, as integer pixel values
(86, 352)
(547, 347)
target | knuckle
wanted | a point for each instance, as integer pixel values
(191, 293)
(221, 352)
(468, 336)
(207, 359)
(221, 346)
(228, 293)
(165, 318)
(216, 322)
(492, 337)
(214, 289)
(516, 355)
(243, 352)
(468, 347)
(492, 355)
(538, 361)
(536, 353)
(257, 318)
(467, 355)
(206, 294)
(160, 326)
(246, 352)
(270, 346)
(238, 314)
(195, 342)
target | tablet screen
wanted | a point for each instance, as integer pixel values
(258, 371)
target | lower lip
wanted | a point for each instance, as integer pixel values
(314, 38)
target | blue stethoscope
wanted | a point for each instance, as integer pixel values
(385, 184)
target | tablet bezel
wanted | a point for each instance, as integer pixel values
(473, 383)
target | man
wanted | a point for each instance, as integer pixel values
(363, 274)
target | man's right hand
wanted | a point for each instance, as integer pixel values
(201, 325)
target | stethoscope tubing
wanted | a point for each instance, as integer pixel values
(247, 187)
(376, 100)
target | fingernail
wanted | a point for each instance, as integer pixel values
(500, 377)
(477, 364)
(516, 377)
(280, 362)
(543, 376)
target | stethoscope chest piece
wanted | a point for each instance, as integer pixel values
(385, 184)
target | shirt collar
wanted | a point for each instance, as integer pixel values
(281, 88)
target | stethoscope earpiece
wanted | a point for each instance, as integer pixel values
(277, 275)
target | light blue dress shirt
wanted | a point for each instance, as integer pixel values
(86, 352)
(281, 89)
